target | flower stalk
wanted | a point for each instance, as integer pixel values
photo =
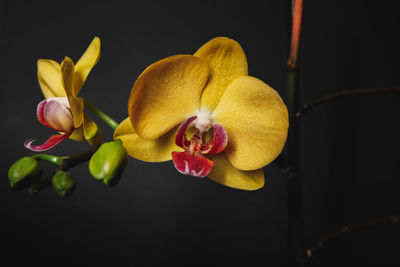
(49, 158)
(109, 121)
(67, 163)
(296, 18)
(296, 248)
(346, 93)
(386, 220)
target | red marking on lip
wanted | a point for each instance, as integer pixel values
(190, 163)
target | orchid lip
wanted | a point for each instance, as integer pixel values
(50, 143)
(193, 164)
(191, 161)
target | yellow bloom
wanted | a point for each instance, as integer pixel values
(212, 94)
(63, 110)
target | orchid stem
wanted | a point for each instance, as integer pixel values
(49, 158)
(387, 220)
(63, 163)
(296, 15)
(41, 184)
(296, 248)
(110, 122)
(74, 160)
(346, 93)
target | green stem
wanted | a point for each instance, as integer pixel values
(74, 160)
(49, 158)
(41, 184)
(63, 163)
(110, 122)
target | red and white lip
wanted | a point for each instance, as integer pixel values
(191, 161)
(54, 113)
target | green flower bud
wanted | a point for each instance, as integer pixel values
(63, 183)
(24, 172)
(108, 162)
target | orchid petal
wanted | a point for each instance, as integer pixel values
(58, 117)
(77, 135)
(92, 132)
(76, 103)
(85, 64)
(50, 143)
(256, 120)
(227, 61)
(40, 113)
(224, 173)
(165, 94)
(193, 164)
(157, 150)
(50, 78)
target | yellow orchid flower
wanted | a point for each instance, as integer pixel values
(62, 110)
(209, 97)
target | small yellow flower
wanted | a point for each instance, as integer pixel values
(209, 97)
(62, 110)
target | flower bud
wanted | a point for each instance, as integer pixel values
(24, 172)
(63, 183)
(108, 162)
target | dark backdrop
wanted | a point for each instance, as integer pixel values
(156, 216)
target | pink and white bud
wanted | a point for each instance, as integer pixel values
(54, 113)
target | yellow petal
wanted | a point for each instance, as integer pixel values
(91, 132)
(85, 64)
(50, 78)
(224, 173)
(157, 150)
(256, 120)
(76, 104)
(77, 135)
(227, 61)
(165, 94)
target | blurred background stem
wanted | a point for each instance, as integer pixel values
(295, 212)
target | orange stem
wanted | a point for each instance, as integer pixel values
(296, 29)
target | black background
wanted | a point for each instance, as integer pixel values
(155, 216)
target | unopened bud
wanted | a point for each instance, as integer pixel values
(63, 183)
(108, 162)
(24, 172)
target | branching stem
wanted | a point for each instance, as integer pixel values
(49, 158)
(349, 228)
(346, 93)
(67, 163)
